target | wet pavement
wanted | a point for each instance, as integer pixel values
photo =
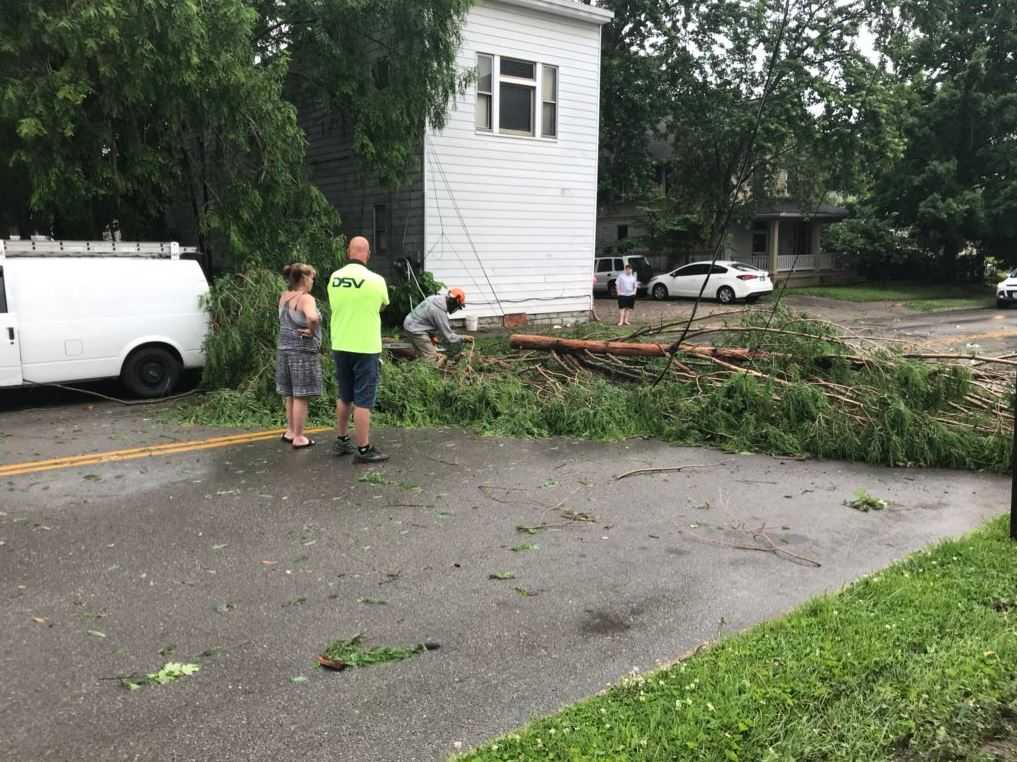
(968, 331)
(257, 556)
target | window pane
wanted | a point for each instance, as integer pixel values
(549, 122)
(718, 270)
(483, 116)
(550, 84)
(484, 66)
(603, 265)
(3, 293)
(510, 67)
(516, 108)
(618, 264)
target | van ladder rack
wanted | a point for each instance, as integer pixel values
(168, 250)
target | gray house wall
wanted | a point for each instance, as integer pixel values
(357, 193)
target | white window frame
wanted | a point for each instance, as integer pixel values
(537, 99)
(489, 93)
(545, 101)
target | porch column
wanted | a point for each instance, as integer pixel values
(815, 245)
(774, 245)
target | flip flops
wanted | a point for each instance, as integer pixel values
(285, 439)
(310, 443)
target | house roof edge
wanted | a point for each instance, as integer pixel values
(567, 8)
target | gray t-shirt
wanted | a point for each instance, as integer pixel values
(431, 316)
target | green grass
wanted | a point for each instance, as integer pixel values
(918, 662)
(916, 296)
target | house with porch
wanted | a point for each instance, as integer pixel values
(782, 237)
(504, 200)
(786, 238)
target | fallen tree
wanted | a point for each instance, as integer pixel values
(625, 349)
(793, 386)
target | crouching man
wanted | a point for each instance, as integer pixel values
(430, 318)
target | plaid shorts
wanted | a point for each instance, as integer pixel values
(298, 374)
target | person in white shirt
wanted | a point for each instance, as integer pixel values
(626, 283)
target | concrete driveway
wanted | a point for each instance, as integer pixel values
(249, 559)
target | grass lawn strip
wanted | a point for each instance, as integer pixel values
(917, 662)
(918, 296)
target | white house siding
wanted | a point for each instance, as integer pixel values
(512, 220)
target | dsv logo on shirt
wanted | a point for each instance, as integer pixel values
(347, 282)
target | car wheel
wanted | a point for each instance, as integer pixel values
(151, 372)
(1001, 305)
(725, 295)
(660, 292)
(612, 290)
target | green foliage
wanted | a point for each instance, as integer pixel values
(957, 181)
(877, 249)
(353, 652)
(241, 350)
(864, 502)
(904, 398)
(769, 97)
(890, 668)
(170, 672)
(132, 110)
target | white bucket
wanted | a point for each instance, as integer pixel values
(472, 322)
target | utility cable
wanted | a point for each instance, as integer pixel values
(100, 395)
(466, 229)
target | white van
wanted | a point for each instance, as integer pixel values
(83, 310)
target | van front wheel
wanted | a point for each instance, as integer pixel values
(151, 372)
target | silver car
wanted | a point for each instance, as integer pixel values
(607, 269)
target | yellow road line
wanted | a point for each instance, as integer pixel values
(172, 448)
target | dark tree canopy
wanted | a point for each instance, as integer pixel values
(112, 109)
(956, 182)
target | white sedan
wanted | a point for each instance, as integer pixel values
(727, 282)
(1006, 290)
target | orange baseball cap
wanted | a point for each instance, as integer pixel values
(458, 294)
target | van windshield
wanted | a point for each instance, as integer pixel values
(638, 263)
(3, 292)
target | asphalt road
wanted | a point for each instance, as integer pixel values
(257, 556)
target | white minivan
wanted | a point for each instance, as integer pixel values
(84, 310)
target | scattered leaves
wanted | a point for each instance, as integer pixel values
(373, 477)
(97, 634)
(170, 672)
(371, 601)
(864, 502)
(501, 575)
(578, 516)
(525, 547)
(353, 653)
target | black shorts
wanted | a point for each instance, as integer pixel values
(626, 302)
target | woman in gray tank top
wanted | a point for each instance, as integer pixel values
(298, 360)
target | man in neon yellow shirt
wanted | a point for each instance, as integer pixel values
(357, 296)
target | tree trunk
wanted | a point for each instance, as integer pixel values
(549, 343)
